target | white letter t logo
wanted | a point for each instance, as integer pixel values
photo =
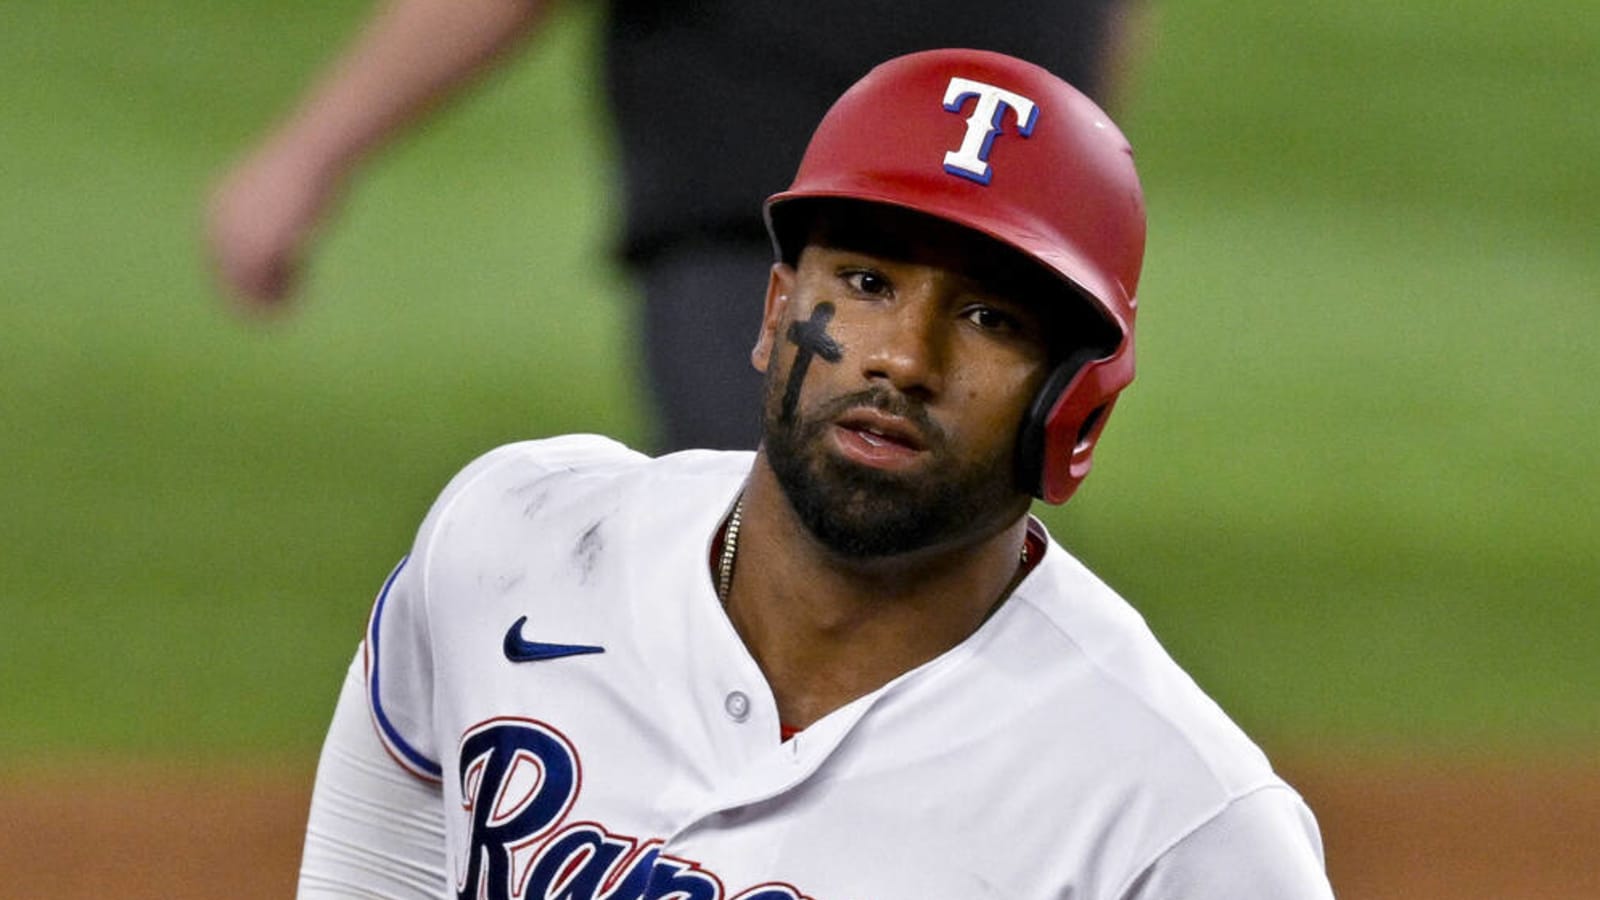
(972, 159)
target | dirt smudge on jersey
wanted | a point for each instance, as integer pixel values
(586, 555)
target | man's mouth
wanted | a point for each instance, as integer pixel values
(878, 439)
(882, 439)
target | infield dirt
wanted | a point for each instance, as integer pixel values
(1415, 830)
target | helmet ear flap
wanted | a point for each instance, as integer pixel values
(1033, 440)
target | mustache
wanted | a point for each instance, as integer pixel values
(886, 400)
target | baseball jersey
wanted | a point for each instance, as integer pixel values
(554, 655)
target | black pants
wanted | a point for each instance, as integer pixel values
(701, 316)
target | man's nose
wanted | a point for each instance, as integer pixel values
(907, 344)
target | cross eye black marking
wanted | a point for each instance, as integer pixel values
(811, 337)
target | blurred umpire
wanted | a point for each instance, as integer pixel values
(713, 100)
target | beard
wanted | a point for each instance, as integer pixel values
(859, 512)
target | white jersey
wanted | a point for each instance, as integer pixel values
(554, 654)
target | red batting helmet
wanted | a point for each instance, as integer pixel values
(1007, 149)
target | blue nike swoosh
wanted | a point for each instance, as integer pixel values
(520, 650)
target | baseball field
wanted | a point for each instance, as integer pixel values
(1354, 489)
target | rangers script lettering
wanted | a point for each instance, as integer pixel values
(519, 778)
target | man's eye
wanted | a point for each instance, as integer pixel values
(869, 283)
(990, 319)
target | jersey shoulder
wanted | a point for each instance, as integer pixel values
(1132, 672)
(526, 468)
(535, 494)
(1158, 741)
(555, 456)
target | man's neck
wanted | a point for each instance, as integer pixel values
(826, 629)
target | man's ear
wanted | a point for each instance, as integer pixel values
(780, 286)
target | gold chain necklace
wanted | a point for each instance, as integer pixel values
(730, 549)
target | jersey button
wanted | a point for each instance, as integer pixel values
(737, 706)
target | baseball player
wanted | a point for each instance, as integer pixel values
(849, 664)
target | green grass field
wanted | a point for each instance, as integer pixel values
(1354, 488)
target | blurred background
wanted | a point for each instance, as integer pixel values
(1353, 490)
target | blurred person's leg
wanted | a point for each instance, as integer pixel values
(702, 310)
